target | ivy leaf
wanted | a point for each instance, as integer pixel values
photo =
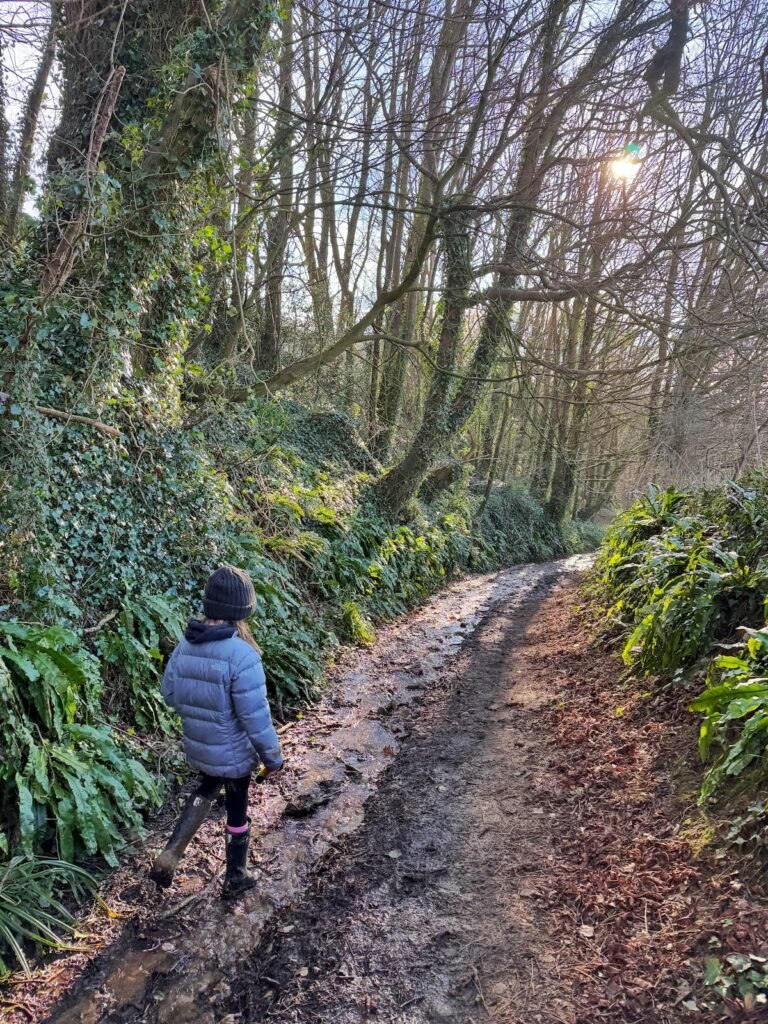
(739, 962)
(712, 971)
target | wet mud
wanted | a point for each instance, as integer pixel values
(430, 913)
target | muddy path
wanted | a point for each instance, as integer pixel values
(481, 822)
(429, 914)
(178, 957)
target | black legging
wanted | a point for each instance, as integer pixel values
(235, 796)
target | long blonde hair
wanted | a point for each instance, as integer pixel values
(243, 631)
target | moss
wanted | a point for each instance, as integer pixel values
(357, 627)
(699, 833)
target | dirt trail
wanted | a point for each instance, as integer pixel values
(480, 823)
(439, 708)
(430, 913)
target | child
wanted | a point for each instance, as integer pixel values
(215, 681)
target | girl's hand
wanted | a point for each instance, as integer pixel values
(265, 773)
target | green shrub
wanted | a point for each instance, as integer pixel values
(735, 710)
(514, 527)
(680, 576)
(131, 648)
(676, 576)
(109, 519)
(292, 638)
(65, 780)
(357, 628)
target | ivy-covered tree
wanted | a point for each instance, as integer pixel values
(134, 166)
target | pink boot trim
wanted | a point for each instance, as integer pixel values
(237, 830)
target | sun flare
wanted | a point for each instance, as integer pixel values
(625, 168)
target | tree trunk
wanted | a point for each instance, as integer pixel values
(402, 482)
(579, 358)
(502, 433)
(29, 124)
(231, 321)
(496, 407)
(268, 358)
(401, 324)
(5, 189)
(147, 237)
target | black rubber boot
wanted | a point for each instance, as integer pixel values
(238, 879)
(196, 810)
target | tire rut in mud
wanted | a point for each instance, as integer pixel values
(427, 913)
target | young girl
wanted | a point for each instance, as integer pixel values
(215, 681)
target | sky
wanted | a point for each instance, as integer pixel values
(22, 32)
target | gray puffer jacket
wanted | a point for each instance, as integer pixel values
(215, 681)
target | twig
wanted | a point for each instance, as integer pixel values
(18, 1006)
(176, 908)
(410, 1002)
(102, 622)
(70, 417)
(479, 988)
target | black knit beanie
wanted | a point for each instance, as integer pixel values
(229, 595)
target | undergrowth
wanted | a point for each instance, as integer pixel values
(31, 912)
(683, 579)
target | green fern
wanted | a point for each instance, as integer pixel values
(680, 574)
(356, 626)
(735, 710)
(132, 649)
(65, 779)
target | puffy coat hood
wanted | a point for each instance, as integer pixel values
(198, 632)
